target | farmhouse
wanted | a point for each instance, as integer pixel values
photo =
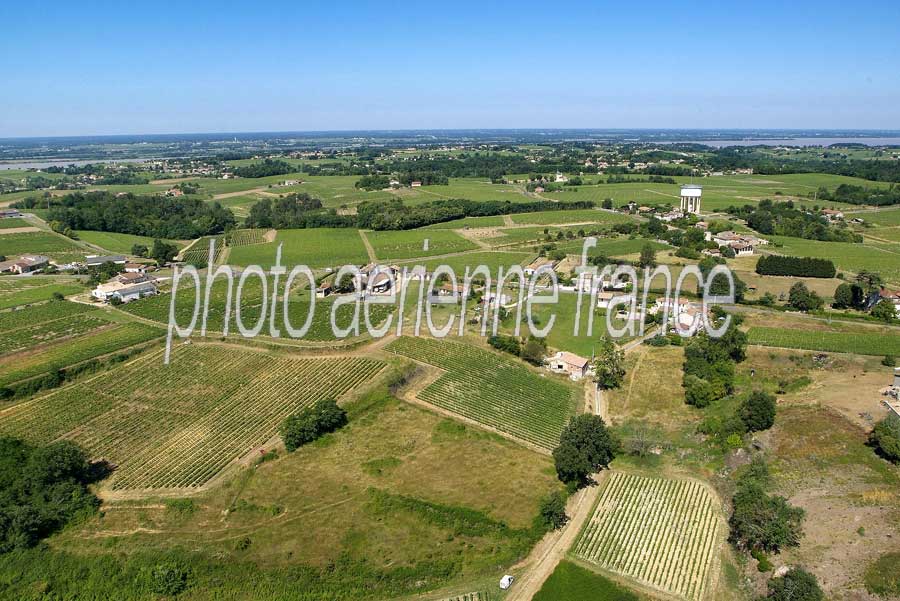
(323, 290)
(415, 185)
(133, 278)
(174, 192)
(137, 268)
(97, 260)
(832, 215)
(125, 292)
(564, 362)
(741, 244)
(25, 264)
(891, 295)
(538, 264)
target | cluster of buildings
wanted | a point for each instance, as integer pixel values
(742, 244)
(25, 264)
(133, 283)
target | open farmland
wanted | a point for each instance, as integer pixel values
(613, 247)
(492, 390)
(582, 216)
(44, 323)
(198, 253)
(662, 533)
(861, 343)
(62, 354)
(179, 425)
(410, 244)
(319, 247)
(23, 291)
(492, 260)
(118, 243)
(156, 308)
(44, 243)
(883, 258)
(13, 223)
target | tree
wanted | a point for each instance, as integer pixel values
(884, 311)
(796, 585)
(311, 423)
(585, 446)
(801, 298)
(889, 361)
(552, 514)
(699, 392)
(648, 256)
(534, 350)
(609, 365)
(758, 411)
(843, 297)
(885, 437)
(140, 250)
(163, 252)
(869, 281)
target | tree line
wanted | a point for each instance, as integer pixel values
(785, 219)
(803, 267)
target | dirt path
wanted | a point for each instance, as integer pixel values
(554, 546)
(19, 230)
(369, 249)
(251, 191)
(508, 220)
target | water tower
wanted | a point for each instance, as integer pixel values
(690, 198)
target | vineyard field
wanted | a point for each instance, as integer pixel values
(176, 426)
(198, 254)
(492, 390)
(662, 533)
(40, 324)
(14, 368)
(246, 237)
(860, 343)
(410, 244)
(54, 246)
(23, 291)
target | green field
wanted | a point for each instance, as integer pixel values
(410, 244)
(44, 243)
(118, 243)
(492, 260)
(23, 291)
(156, 308)
(885, 217)
(320, 247)
(861, 343)
(880, 257)
(612, 247)
(468, 222)
(46, 323)
(582, 216)
(14, 222)
(496, 391)
(571, 582)
(208, 407)
(662, 533)
(62, 354)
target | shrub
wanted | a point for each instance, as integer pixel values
(168, 578)
(885, 437)
(796, 585)
(801, 298)
(889, 361)
(552, 515)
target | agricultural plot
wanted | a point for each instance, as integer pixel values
(467, 222)
(613, 247)
(492, 390)
(198, 253)
(12, 223)
(883, 258)
(15, 292)
(409, 244)
(583, 216)
(156, 308)
(118, 243)
(860, 343)
(477, 596)
(662, 533)
(41, 324)
(14, 368)
(492, 260)
(246, 237)
(179, 425)
(319, 247)
(884, 217)
(43, 243)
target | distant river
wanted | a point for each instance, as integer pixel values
(798, 142)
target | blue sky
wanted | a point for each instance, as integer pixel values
(78, 68)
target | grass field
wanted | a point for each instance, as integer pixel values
(882, 258)
(882, 217)
(492, 260)
(663, 534)
(44, 243)
(179, 425)
(571, 582)
(492, 390)
(861, 343)
(473, 222)
(612, 247)
(118, 243)
(410, 244)
(23, 291)
(321, 247)
(14, 222)
(62, 354)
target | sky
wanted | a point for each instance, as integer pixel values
(90, 68)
